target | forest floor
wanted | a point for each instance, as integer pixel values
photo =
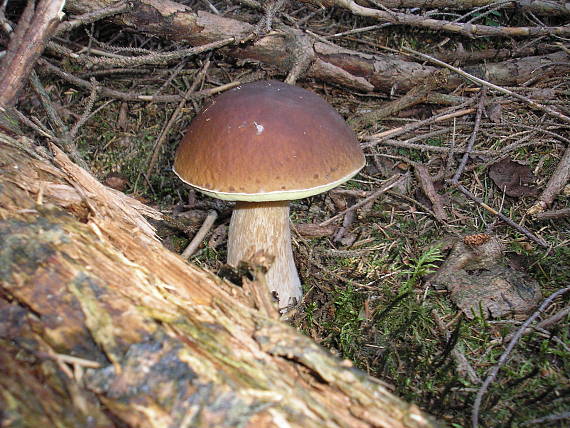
(371, 292)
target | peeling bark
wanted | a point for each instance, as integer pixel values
(26, 45)
(332, 63)
(540, 7)
(118, 330)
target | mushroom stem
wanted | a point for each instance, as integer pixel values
(265, 226)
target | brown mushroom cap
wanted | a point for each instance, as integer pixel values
(267, 141)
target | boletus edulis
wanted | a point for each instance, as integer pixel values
(263, 144)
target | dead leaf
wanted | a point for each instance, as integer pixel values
(422, 198)
(481, 281)
(219, 235)
(339, 201)
(116, 181)
(347, 240)
(495, 112)
(513, 178)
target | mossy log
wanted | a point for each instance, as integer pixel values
(101, 326)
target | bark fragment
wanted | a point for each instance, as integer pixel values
(156, 342)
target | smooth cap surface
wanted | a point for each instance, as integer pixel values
(267, 141)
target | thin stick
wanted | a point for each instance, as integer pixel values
(463, 366)
(426, 183)
(91, 17)
(426, 147)
(560, 315)
(549, 215)
(391, 182)
(129, 96)
(425, 209)
(466, 29)
(416, 95)
(39, 128)
(503, 217)
(201, 234)
(77, 361)
(468, 76)
(154, 58)
(303, 54)
(550, 418)
(434, 119)
(472, 138)
(505, 356)
(48, 106)
(271, 11)
(64, 138)
(87, 112)
(36, 26)
(164, 134)
(557, 181)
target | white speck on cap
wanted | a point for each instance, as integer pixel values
(259, 128)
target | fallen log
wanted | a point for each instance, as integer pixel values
(102, 326)
(325, 61)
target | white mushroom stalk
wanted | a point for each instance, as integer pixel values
(264, 226)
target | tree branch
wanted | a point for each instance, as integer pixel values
(28, 42)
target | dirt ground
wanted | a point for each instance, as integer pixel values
(374, 291)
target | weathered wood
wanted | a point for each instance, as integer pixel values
(540, 7)
(157, 342)
(32, 33)
(363, 72)
(422, 21)
(27, 42)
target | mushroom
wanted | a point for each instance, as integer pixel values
(263, 144)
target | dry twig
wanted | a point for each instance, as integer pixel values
(503, 217)
(558, 180)
(90, 17)
(153, 58)
(538, 7)
(198, 79)
(463, 366)
(466, 29)
(32, 33)
(428, 148)
(472, 138)
(130, 96)
(550, 418)
(416, 95)
(542, 325)
(505, 355)
(391, 182)
(63, 137)
(200, 235)
(550, 215)
(500, 89)
(451, 113)
(426, 183)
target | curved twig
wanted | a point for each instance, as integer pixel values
(505, 356)
(466, 29)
